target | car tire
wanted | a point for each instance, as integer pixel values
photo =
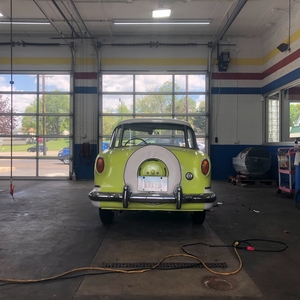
(156, 152)
(198, 217)
(66, 161)
(106, 216)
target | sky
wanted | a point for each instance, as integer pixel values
(111, 83)
(147, 83)
(28, 83)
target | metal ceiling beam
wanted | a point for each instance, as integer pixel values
(71, 45)
(65, 18)
(232, 17)
(83, 24)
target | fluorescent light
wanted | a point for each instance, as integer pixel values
(161, 13)
(168, 22)
(24, 23)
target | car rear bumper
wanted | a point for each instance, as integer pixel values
(97, 197)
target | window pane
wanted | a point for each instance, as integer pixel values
(22, 103)
(190, 83)
(54, 125)
(189, 103)
(153, 83)
(24, 167)
(57, 104)
(117, 83)
(109, 123)
(154, 95)
(154, 104)
(21, 82)
(198, 124)
(273, 118)
(52, 168)
(117, 104)
(34, 121)
(293, 96)
(52, 83)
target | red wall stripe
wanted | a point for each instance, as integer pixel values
(85, 75)
(293, 56)
(234, 76)
(259, 76)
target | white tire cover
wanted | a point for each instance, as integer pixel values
(148, 152)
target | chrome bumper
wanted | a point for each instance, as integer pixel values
(178, 197)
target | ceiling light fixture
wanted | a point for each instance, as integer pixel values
(167, 22)
(23, 23)
(1, 14)
(161, 13)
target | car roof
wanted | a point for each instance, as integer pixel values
(154, 121)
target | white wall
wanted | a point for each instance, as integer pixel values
(236, 107)
(234, 117)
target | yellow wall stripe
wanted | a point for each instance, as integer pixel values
(154, 61)
(47, 61)
(91, 61)
(36, 61)
(142, 61)
(294, 37)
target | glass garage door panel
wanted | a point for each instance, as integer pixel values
(20, 167)
(52, 168)
(39, 106)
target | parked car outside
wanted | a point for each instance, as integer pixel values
(34, 148)
(64, 154)
(154, 165)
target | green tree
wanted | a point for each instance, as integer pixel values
(154, 104)
(110, 122)
(161, 101)
(49, 104)
(294, 114)
(199, 120)
(6, 121)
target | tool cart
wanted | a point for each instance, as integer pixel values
(286, 169)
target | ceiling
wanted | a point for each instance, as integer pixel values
(79, 19)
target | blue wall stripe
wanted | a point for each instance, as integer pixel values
(85, 90)
(221, 159)
(235, 90)
(294, 75)
(84, 168)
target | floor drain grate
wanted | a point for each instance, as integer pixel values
(171, 265)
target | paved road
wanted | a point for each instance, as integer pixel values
(26, 164)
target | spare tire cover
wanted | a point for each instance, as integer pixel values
(148, 152)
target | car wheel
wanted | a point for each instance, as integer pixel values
(66, 161)
(198, 217)
(106, 216)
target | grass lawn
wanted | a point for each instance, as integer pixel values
(55, 144)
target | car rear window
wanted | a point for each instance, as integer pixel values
(153, 134)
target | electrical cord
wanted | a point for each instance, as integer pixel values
(235, 246)
(249, 246)
(110, 270)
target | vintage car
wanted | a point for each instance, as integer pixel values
(154, 165)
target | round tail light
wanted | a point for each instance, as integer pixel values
(100, 165)
(205, 166)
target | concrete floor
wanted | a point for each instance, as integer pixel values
(51, 227)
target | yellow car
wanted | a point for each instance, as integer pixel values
(153, 165)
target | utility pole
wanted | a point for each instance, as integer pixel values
(44, 116)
